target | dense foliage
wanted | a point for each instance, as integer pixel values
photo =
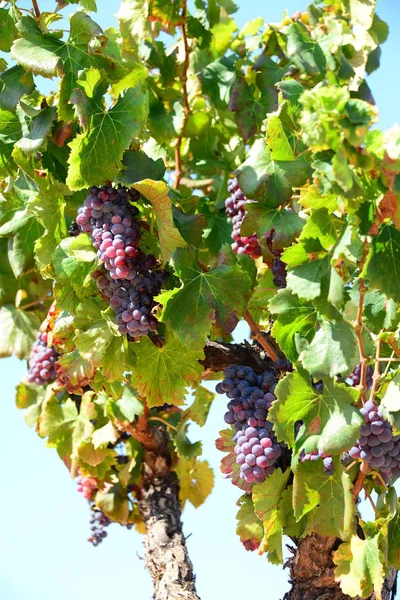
(118, 205)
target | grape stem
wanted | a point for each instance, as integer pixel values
(358, 484)
(358, 326)
(36, 9)
(377, 373)
(186, 106)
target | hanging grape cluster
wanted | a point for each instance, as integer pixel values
(278, 266)
(41, 361)
(236, 212)
(98, 522)
(377, 446)
(132, 279)
(250, 398)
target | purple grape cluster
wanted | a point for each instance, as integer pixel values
(377, 446)
(98, 522)
(318, 455)
(236, 212)
(278, 266)
(251, 396)
(131, 280)
(355, 377)
(41, 361)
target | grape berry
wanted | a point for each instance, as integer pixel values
(41, 361)
(251, 396)
(98, 522)
(317, 455)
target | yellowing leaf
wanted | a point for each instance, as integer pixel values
(196, 480)
(156, 193)
(360, 569)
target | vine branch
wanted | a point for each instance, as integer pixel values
(257, 335)
(377, 372)
(186, 107)
(358, 326)
(36, 9)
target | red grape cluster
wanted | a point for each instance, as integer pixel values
(278, 266)
(377, 446)
(41, 361)
(98, 522)
(251, 396)
(236, 212)
(318, 455)
(131, 280)
(86, 486)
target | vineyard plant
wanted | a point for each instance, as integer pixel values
(184, 175)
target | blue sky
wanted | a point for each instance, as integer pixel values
(43, 550)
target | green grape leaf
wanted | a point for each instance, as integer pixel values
(100, 148)
(36, 131)
(393, 539)
(306, 53)
(161, 374)
(333, 350)
(14, 83)
(287, 225)
(138, 166)
(74, 261)
(196, 481)
(157, 194)
(199, 409)
(326, 500)
(295, 318)
(18, 331)
(8, 30)
(249, 528)
(134, 22)
(184, 446)
(270, 181)
(360, 566)
(330, 414)
(384, 258)
(217, 295)
(10, 133)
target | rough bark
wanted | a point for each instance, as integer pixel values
(166, 553)
(218, 356)
(312, 572)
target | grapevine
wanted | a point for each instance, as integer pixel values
(118, 149)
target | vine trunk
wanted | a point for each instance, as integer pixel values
(166, 554)
(312, 572)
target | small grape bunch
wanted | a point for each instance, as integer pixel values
(41, 361)
(98, 522)
(235, 208)
(86, 486)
